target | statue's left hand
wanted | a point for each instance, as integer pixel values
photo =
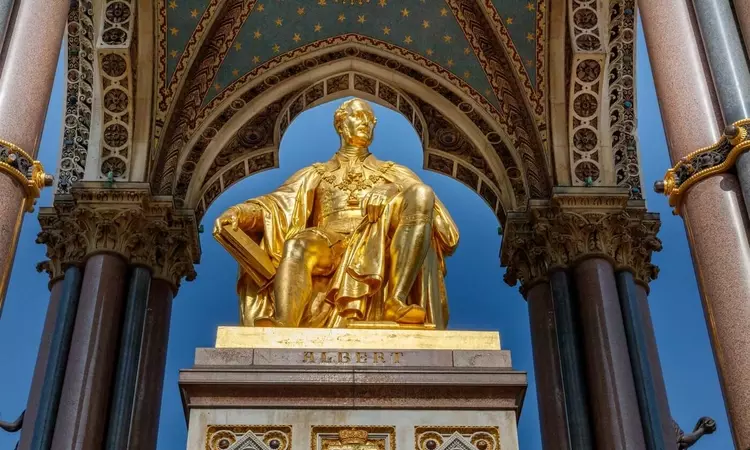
(375, 201)
(230, 217)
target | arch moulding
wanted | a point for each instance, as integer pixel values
(216, 124)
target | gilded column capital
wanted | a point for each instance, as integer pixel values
(144, 229)
(580, 223)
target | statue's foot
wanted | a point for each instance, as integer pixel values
(267, 322)
(398, 311)
(352, 314)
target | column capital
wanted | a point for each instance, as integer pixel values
(575, 224)
(125, 219)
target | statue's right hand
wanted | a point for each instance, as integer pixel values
(230, 217)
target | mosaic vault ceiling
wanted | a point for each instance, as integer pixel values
(426, 27)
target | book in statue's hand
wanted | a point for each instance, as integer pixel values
(250, 256)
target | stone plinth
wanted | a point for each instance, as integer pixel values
(353, 397)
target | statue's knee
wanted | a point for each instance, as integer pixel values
(422, 196)
(297, 248)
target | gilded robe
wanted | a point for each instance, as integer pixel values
(360, 278)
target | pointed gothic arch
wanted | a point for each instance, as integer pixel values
(243, 136)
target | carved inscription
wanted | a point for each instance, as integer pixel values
(339, 357)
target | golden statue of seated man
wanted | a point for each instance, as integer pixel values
(352, 239)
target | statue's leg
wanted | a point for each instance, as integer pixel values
(412, 224)
(305, 254)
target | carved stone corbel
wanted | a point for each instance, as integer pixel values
(127, 220)
(580, 223)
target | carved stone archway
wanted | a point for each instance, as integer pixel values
(226, 151)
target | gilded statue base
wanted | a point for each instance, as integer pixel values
(366, 336)
(352, 389)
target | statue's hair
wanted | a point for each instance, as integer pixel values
(345, 109)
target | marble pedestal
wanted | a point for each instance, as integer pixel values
(295, 389)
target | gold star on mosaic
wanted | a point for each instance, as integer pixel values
(405, 12)
(238, 46)
(322, 2)
(217, 86)
(174, 31)
(386, 30)
(279, 21)
(509, 21)
(467, 50)
(530, 37)
(342, 18)
(173, 53)
(447, 38)
(194, 13)
(425, 24)
(450, 63)
(382, 3)
(361, 19)
(530, 6)
(296, 37)
(318, 27)
(235, 73)
(407, 40)
(173, 4)
(260, 8)
(257, 34)
(301, 11)
(443, 12)
(487, 92)
(467, 74)
(256, 59)
(529, 63)
(429, 52)
(276, 48)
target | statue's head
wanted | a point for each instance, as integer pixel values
(355, 122)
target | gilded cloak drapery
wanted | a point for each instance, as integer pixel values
(361, 276)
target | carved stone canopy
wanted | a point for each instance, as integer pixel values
(124, 219)
(579, 223)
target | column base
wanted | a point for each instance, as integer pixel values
(326, 399)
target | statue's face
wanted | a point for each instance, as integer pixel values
(358, 124)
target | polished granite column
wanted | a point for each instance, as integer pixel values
(6, 13)
(549, 384)
(614, 407)
(571, 359)
(729, 70)
(28, 71)
(742, 14)
(153, 361)
(652, 352)
(47, 384)
(655, 417)
(82, 415)
(713, 209)
(40, 368)
(121, 409)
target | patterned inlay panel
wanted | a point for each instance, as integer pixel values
(456, 438)
(248, 437)
(587, 92)
(353, 437)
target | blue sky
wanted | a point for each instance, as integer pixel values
(479, 299)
